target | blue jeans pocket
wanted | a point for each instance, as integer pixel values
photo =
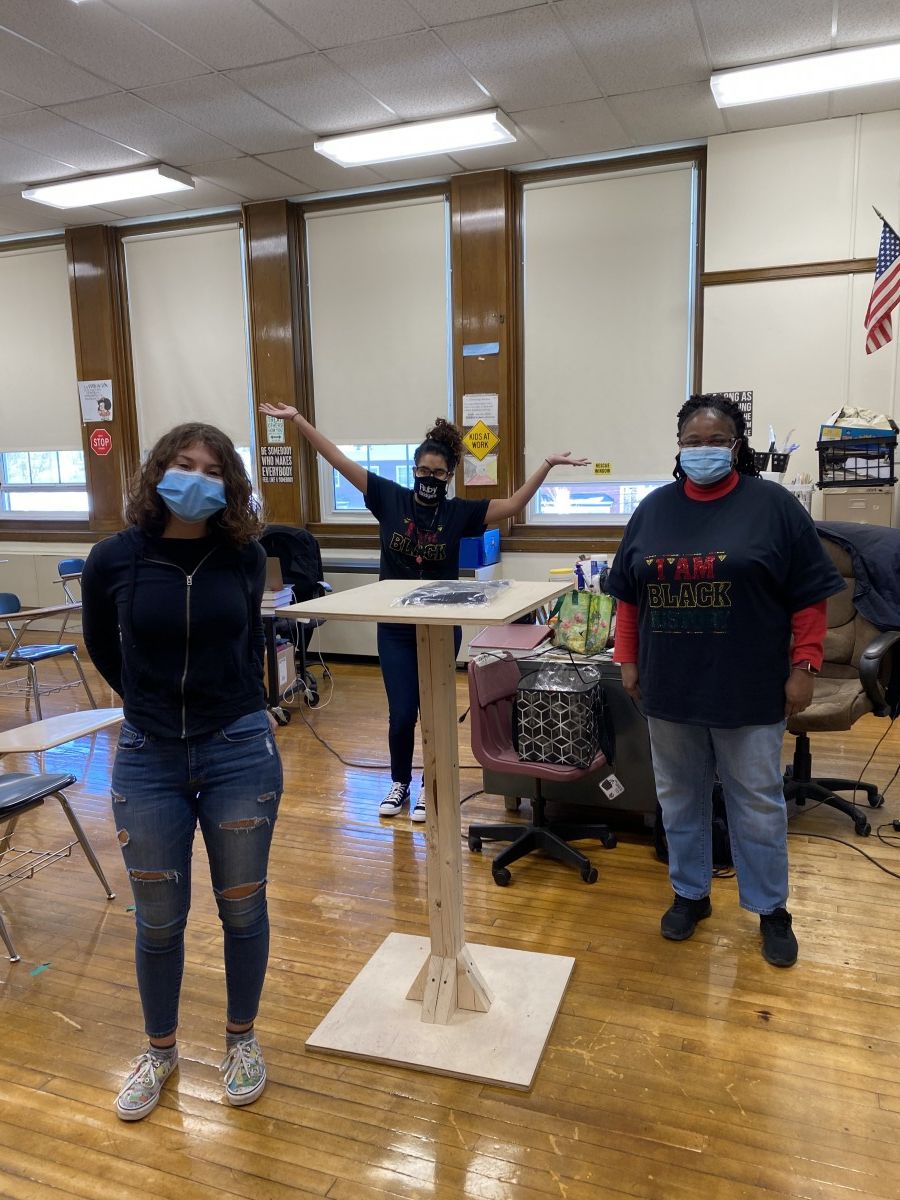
(246, 729)
(131, 738)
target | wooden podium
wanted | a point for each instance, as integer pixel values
(479, 1012)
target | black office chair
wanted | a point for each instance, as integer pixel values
(301, 568)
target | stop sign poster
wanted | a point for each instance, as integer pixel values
(101, 442)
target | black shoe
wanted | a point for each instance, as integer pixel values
(779, 945)
(680, 921)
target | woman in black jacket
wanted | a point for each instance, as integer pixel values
(172, 623)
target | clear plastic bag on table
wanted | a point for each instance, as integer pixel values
(452, 591)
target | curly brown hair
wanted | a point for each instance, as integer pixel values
(444, 439)
(240, 520)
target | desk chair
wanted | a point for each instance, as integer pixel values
(300, 558)
(29, 656)
(18, 795)
(491, 717)
(69, 571)
(855, 677)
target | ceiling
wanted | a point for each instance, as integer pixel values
(236, 91)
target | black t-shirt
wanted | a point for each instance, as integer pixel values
(421, 541)
(716, 583)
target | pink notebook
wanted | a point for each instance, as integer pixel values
(511, 637)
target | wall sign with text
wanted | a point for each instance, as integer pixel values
(277, 464)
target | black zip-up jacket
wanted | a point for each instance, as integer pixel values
(184, 651)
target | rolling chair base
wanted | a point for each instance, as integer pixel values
(553, 840)
(800, 786)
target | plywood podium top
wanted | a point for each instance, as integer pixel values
(373, 602)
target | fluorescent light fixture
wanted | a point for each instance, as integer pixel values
(395, 142)
(105, 189)
(829, 72)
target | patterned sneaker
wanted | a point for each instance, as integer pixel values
(418, 813)
(394, 800)
(244, 1069)
(140, 1091)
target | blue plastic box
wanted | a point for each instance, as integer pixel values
(480, 551)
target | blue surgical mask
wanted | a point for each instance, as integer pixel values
(705, 464)
(191, 495)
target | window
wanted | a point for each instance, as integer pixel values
(45, 483)
(608, 283)
(590, 503)
(342, 501)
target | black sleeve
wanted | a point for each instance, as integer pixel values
(257, 582)
(100, 621)
(811, 575)
(376, 494)
(621, 583)
(474, 517)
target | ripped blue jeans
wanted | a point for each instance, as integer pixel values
(230, 782)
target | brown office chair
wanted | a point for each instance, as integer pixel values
(491, 717)
(854, 680)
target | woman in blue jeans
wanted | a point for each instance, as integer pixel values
(172, 623)
(420, 530)
(722, 586)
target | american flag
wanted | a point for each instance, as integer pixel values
(885, 293)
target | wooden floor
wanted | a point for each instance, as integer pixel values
(673, 1071)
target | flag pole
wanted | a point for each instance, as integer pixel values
(882, 217)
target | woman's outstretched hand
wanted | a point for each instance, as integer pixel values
(566, 460)
(285, 411)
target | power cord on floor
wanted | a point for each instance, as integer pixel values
(827, 837)
(365, 766)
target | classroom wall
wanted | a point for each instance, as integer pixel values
(779, 200)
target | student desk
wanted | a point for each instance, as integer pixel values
(478, 1012)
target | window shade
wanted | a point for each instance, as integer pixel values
(188, 331)
(378, 282)
(38, 380)
(608, 272)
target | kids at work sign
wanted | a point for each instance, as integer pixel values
(101, 442)
(480, 440)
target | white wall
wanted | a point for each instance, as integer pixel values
(779, 197)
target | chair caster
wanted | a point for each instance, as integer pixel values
(474, 843)
(609, 841)
(502, 877)
(876, 801)
(281, 715)
(312, 698)
(589, 874)
(863, 828)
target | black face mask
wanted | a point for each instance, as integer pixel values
(430, 491)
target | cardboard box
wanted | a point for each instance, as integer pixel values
(834, 433)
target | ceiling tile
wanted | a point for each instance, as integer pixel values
(40, 77)
(776, 112)
(12, 104)
(668, 114)
(510, 154)
(635, 47)
(317, 173)
(312, 91)
(222, 33)
(99, 39)
(81, 148)
(861, 21)
(415, 75)
(132, 121)
(146, 206)
(878, 97)
(206, 194)
(524, 59)
(757, 30)
(589, 127)
(246, 177)
(439, 12)
(217, 105)
(326, 23)
(21, 166)
(428, 166)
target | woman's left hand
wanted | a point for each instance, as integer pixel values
(798, 692)
(273, 724)
(566, 460)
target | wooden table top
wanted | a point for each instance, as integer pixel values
(373, 602)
